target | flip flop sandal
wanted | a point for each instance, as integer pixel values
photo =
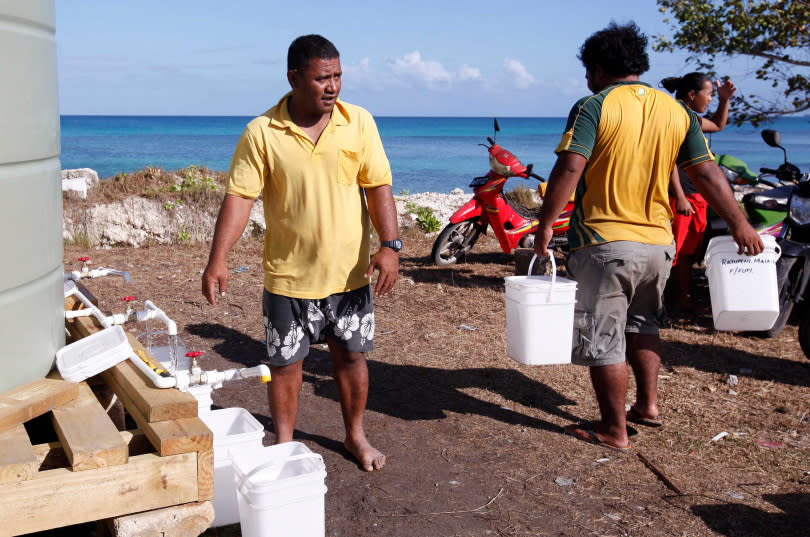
(634, 416)
(591, 438)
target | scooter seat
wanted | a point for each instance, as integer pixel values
(526, 212)
(774, 199)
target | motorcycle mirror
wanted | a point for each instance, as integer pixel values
(497, 127)
(773, 139)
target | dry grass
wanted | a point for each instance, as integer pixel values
(525, 196)
(194, 185)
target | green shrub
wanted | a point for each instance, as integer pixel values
(426, 220)
(183, 236)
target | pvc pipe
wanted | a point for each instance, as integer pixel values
(89, 307)
(157, 380)
(77, 275)
(150, 311)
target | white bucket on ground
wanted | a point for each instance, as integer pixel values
(234, 429)
(202, 393)
(540, 317)
(743, 289)
(280, 491)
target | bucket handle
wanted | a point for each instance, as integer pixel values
(270, 464)
(553, 268)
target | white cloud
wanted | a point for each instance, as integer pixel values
(521, 78)
(465, 72)
(412, 66)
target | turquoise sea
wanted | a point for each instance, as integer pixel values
(427, 154)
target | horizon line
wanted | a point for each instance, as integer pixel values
(243, 116)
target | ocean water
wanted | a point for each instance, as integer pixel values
(427, 154)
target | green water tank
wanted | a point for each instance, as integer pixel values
(32, 325)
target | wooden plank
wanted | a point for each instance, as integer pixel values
(87, 434)
(34, 399)
(60, 497)
(18, 460)
(156, 404)
(50, 455)
(205, 474)
(168, 437)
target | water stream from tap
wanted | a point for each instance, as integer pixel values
(147, 327)
(173, 353)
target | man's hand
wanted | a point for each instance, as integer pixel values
(215, 276)
(684, 206)
(386, 263)
(542, 237)
(233, 217)
(748, 240)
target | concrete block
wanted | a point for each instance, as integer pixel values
(187, 520)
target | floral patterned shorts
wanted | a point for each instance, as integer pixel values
(293, 324)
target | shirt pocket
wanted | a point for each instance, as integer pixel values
(348, 166)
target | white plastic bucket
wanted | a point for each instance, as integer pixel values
(202, 393)
(540, 317)
(281, 491)
(93, 354)
(234, 429)
(743, 289)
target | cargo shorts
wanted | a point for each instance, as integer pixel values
(619, 290)
(292, 325)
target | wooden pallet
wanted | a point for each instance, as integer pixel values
(96, 471)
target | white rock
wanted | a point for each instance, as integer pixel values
(443, 205)
(77, 185)
(79, 180)
(89, 175)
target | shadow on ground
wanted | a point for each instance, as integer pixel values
(425, 393)
(737, 520)
(725, 360)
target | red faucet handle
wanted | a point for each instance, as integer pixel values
(129, 298)
(84, 259)
(193, 354)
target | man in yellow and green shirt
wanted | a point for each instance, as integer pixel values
(618, 151)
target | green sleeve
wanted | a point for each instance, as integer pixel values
(580, 131)
(695, 148)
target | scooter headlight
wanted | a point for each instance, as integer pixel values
(800, 210)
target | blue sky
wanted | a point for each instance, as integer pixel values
(414, 58)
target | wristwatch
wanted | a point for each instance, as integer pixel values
(395, 245)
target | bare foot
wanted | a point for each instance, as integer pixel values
(367, 456)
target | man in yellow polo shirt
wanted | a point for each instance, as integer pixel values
(321, 166)
(618, 150)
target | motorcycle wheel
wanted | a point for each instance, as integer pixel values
(804, 333)
(786, 275)
(455, 241)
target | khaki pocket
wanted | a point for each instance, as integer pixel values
(583, 346)
(348, 166)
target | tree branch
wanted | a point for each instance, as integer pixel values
(776, 58)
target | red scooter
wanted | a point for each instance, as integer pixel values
(514, 225)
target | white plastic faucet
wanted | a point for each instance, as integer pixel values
(77, 275)
(150, 311)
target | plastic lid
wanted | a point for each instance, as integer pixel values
(540, 283)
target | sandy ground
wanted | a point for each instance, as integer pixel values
(474, 439)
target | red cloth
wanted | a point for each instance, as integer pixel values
(688, 230)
